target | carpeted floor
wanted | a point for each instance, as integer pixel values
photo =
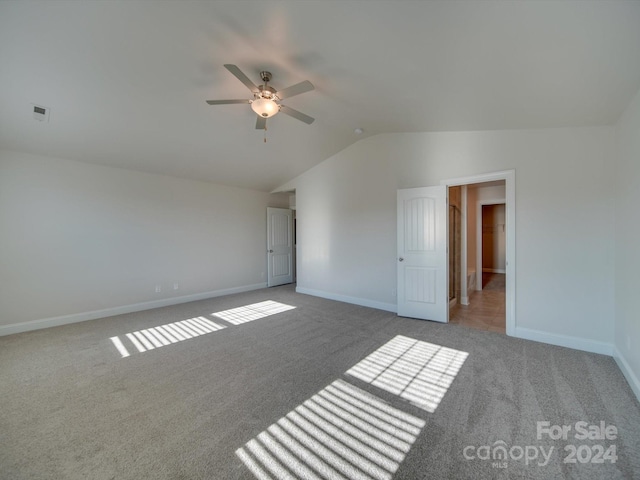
(322, 390)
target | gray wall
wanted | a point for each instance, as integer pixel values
(346, 210)
(78, 238)
(627, 236)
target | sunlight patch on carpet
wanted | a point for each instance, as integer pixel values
(342, 432)
(417, 371)
(248, 313)
(120, 346)
(163, 335)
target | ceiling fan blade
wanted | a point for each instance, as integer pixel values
(242, 77)
(296, 114)
(296, 89)
(226, 102)
(261, 123)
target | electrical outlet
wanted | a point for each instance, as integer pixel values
(158, 288)
(176, 286)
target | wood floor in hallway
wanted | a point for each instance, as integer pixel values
(486, 309)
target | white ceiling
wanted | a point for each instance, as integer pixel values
(127, 81)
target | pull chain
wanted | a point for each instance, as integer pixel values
(265, 134)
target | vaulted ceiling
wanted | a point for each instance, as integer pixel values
(126, 81)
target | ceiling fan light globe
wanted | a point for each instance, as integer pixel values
(265, 107)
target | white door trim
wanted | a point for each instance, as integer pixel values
(509, 176)
(464, 294)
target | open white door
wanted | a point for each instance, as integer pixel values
(279, 246)
(422, 253)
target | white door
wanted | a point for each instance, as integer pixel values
(422, 253)
(279, 246)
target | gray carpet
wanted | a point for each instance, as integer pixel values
(272, 395)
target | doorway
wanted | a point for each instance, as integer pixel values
(485, 309)
(279, 246)
(482, 251)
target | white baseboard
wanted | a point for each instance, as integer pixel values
(626, 370)
(583, 344)
(524, 333)
(109, 312)
(363, 302)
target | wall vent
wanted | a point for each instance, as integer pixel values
(40, 113)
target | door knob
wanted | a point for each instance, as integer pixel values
(270, 251)
(401, 259)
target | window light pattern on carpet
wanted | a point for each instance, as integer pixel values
(160, 336)
(342, 432)
(248, 313)
(417, 371)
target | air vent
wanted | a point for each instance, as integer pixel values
(40, 113)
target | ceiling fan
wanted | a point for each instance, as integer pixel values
(266, 99)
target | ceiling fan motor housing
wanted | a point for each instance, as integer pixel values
(266, 92)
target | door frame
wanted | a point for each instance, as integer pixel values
(509, 177)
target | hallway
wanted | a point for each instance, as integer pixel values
(486, 309)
